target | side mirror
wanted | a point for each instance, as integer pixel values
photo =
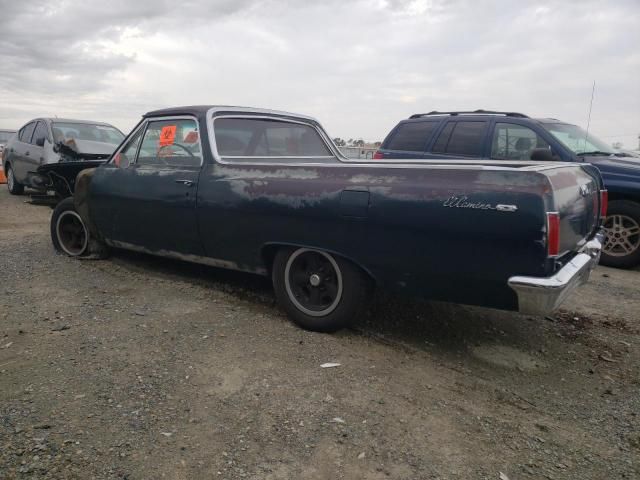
(121, 161)
(40, 142)
(542, 155)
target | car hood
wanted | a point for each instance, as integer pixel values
(89, 146)
(623, 168)
(85, 149)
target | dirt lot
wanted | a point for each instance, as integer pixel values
(137, 367)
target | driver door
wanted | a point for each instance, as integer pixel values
(150, 189)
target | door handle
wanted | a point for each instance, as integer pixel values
(26, 153)
(188, 183)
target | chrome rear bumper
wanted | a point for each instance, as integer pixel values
(541, 295)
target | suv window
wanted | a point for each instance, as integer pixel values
(40, 133)
(515, 142)
(171, 142)
(26, 132)
(461, 138)
(412, 136)
(246, 137)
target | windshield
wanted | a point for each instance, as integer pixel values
(5, 136)
(63, 132)
(577, 139)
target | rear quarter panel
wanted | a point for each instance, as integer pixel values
(579, 212)
(408, 237)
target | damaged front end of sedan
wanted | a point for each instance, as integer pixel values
(61, 177)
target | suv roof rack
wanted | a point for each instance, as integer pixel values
(474, 112)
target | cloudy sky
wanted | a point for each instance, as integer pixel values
(359, 66)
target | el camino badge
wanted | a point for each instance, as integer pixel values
(464, 202)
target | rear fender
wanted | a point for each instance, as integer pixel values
(268, 253)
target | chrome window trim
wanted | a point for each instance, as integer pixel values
(278, 156)
(263, 111)
(145, 124)
(257, 159)
(141, 126)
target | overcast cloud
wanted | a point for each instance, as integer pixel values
(359, 66)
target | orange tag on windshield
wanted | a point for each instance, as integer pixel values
(167, 135)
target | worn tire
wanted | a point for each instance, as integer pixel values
(341, 308)
(15, 188)
(69, 233)
(623, 218)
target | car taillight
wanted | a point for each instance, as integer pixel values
(553, 234)
(378, 156)
(604, 202)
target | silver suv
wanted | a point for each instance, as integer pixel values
(52, 140)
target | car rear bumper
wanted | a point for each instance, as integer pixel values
(542, 295)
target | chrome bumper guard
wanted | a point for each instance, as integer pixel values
(542, 295)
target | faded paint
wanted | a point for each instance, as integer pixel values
(212, 262)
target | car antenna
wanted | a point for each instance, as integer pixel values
(593, 89)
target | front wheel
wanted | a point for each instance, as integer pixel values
(622, 235)
(14, 187)
(69, 233)
(319, 291)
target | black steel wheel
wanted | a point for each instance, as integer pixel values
(69, 234)
(622, 235)
(313, 282)
(318, 290)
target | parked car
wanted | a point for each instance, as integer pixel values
(627, 153)
(46, 141)
(5, 135)
(509, 136)
(269, 193)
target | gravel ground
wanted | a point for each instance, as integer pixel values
(136, 367)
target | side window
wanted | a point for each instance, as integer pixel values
(127, 155)
(443, 139)
(412, 136)
(40, 133)
(515, 142)
(246, 137)
(26, 132)
(466, 139)
(171, 142)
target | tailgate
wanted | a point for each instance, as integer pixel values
(576, 197)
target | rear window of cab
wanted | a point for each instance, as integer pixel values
(260, 138)
(412, 136)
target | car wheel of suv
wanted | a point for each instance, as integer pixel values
(319, 291)
(14, 187)
(69, 234)
(622, 235)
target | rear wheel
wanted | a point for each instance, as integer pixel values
(14, 187)
(622, 235)
(319, 291)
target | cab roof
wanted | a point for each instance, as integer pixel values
(200, 110)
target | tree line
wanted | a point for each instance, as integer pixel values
(352, 142)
